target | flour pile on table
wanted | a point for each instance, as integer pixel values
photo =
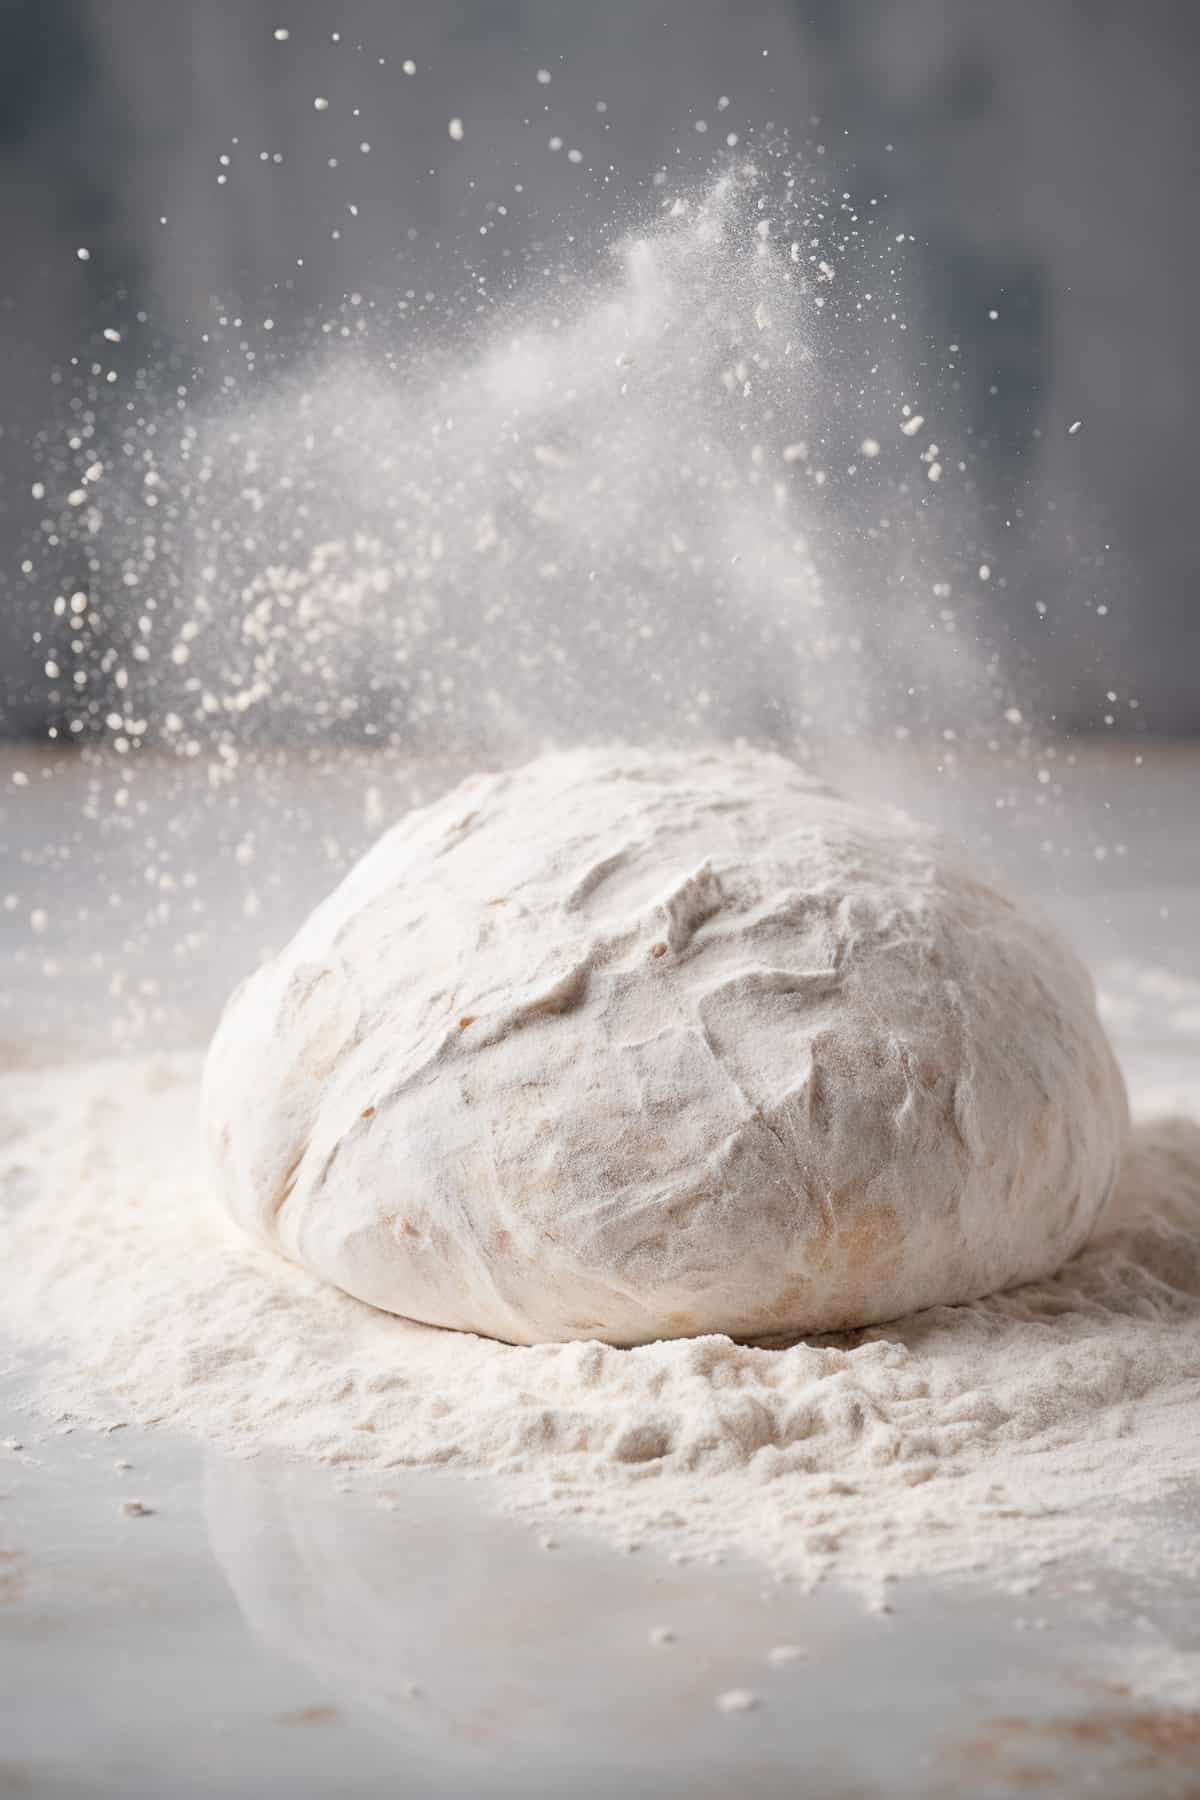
(988, 1437)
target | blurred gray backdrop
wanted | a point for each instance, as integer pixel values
(1044, 153)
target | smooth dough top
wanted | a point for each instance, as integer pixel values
(629, 1044)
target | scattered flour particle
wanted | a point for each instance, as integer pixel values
(785, 1653)
(409, 66)
(869, 446)
(134, 1509)
(320, 104)
(1072, 429)
(737, 1700)
(39, 918)
(83, 255)
(910, 427)
(282, 34)
(544, 77)
(662, 1634)
(1014, 715)
(455, 128)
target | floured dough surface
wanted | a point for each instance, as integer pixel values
(628, 1045)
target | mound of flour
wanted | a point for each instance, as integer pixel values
(987, 1437)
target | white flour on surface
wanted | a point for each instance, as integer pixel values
(988, 1438)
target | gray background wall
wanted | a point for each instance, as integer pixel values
(1044, 151)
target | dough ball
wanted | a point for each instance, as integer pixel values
(629, 1045)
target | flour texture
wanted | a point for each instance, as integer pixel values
(986, 1440)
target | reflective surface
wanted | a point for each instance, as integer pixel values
(260, 1632)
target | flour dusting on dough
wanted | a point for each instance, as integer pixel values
(632, 1044)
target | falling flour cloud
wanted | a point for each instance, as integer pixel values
(621, 495)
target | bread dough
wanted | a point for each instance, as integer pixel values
(628, 1045)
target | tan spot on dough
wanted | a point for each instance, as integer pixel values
(467, 1019)
(368, 1112)
(651, 1244)
(863, 1240)
(790, 1300)
(680, 1211)
(500, 902)
(325, 1022)
(284, 1191)
(869, 1233)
